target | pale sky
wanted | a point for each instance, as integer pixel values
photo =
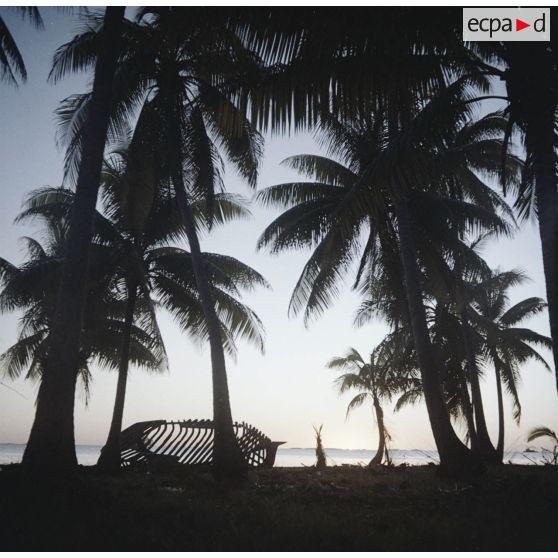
(283, 392)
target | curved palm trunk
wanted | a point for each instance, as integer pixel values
(455, 457)
(378, 458)
(51, 443)
(109, 460)
(485, 447)
(227, 457)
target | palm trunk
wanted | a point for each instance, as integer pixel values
(51, 442)
(547, 208)
(227, 457)
(485, 447)
(468, 410)
(501, 433)
(455, 457)
(378, 458)
(109, 459)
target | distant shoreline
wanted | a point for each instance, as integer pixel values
(88, 454)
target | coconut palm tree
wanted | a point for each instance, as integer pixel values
(11, 61)
(374, 381)
(360, 196)
(446, 335)
(31, 288)
(176, 68)
(458, 343)
(51, 444)
(147, 267)
(505, 345)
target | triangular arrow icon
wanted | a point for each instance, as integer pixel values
(519, 25)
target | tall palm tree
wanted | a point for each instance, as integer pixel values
(51, 444)
(363, 195)
(505, 345)
(176, 68)
(11, 61)
(373, 380)
(146, 266)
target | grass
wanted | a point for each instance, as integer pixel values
(340, 508)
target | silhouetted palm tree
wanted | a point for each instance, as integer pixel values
(373, 380)
(146, 266)
(176, 68)
(440, 160)
(31, 288)
(51, 442)
(505, 345)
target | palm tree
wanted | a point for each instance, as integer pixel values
(11, 61)
(505, 345)
(176, 67)
(31, 288)
(51, 444)
(362, 195)
(446, 335)
(545, 432)
(146, 266)
(373, 380)
(334, 59)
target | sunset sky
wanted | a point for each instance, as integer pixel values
(283, 392)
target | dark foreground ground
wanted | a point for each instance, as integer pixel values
(342, 508)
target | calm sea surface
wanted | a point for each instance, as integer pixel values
(298, 457)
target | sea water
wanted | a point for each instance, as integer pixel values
(300, 457)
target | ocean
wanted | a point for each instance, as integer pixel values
(301, 457)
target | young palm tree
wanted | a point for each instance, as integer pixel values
(176, 67)
(51, 444)
(445, 159)
(505, 345)
(374, 381)
(11, 61)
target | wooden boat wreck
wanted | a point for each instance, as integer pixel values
(158, 443)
